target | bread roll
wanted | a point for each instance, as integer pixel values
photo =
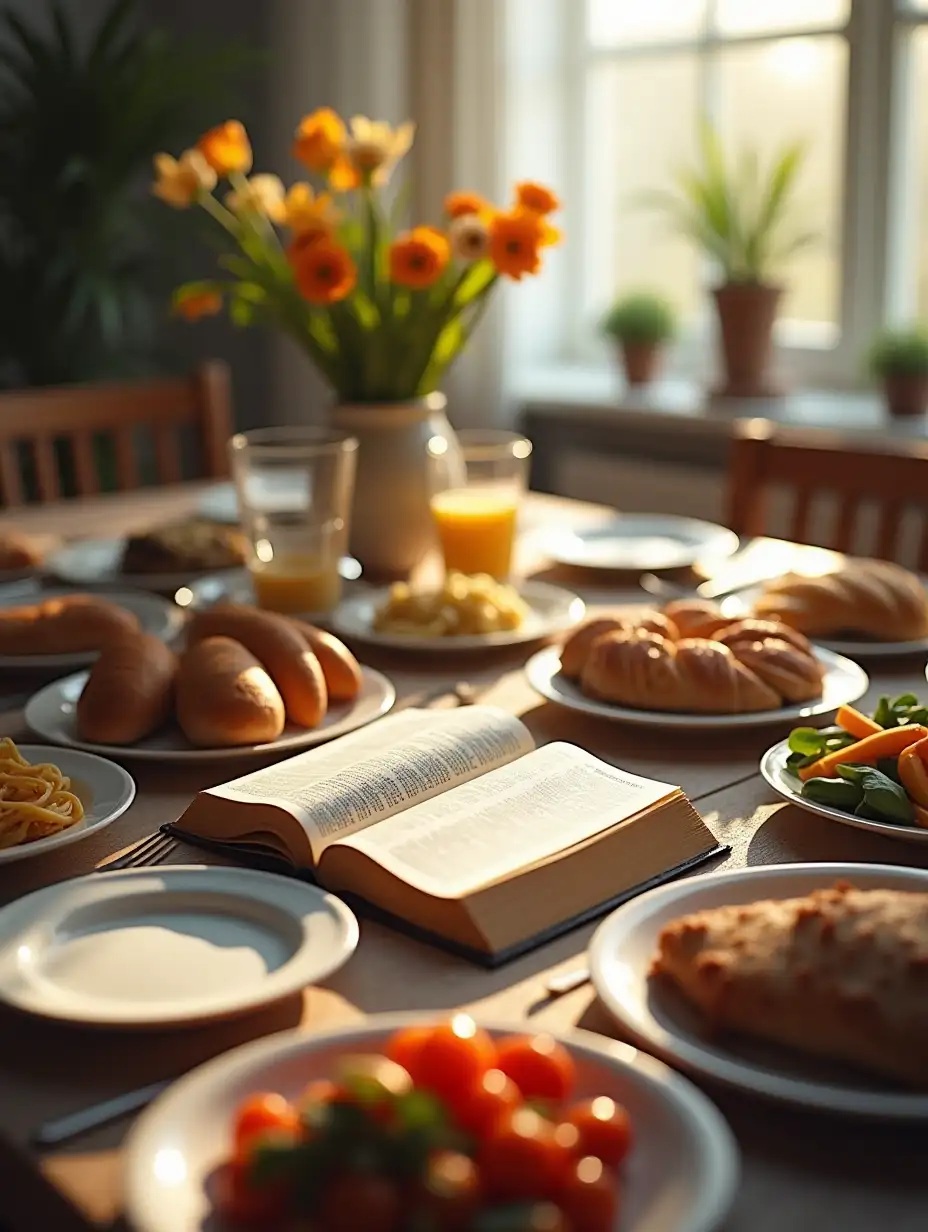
(696, 617)
(74, 624)
(576, 650)
(18, 551)
(342, 671)
(278, 647)
(129, 691)
(225, 697)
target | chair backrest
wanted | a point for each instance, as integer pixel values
(810, 464)
(49, 426)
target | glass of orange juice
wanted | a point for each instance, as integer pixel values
(295, 487)
(476, 523)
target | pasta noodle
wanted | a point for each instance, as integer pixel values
(35, 801)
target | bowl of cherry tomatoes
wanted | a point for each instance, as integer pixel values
(446, 1126)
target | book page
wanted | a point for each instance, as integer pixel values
(509, 820)
(369, 775)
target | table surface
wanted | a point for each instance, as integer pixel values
(801, 1171)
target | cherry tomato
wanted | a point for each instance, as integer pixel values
(450, 1191)
(479, 1109)
(404, 1047)
(352, 1202)
(540, 1067)
(590, 1196)
(236, 1198)
(261, 1115)
(453, 1057)
(604, 1127)
(522, 1159)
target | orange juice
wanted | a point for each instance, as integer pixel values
(296, 582)
(476, 527)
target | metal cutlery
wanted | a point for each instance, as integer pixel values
(727, 583)
(64, 1129)
(558, 985)
(153, 849)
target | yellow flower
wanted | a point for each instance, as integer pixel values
(227, 148)
(469, 236)
(459, 204)
(320, 139)
(374, 148)
(179, 180)
(200, 304)
(515, 239)
(324, 272)
(535, 197)
(418, 257)
(304, 211)
(262, 194)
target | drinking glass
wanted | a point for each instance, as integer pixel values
(476, 523)
(295, 487)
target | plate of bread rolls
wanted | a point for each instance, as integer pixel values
(798, 982)
(245, 683)
(686, 665)
(64, 629)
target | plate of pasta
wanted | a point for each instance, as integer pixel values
(50, 797)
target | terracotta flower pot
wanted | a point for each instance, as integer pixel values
(641, 361)
(906, 393)
(746, 315)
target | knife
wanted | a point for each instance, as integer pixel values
(63, 1129)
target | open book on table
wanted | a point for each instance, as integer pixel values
(454, 823)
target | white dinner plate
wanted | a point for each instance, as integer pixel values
(773, 768)
(639, 541)
(104, 789)
(844, 682)
(96, 562)
(50, 714)
(156, 615)
(168, 947)
(551, 610)
(661, 1020)
(680, 1177)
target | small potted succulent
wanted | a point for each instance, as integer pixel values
(899, 358)
(641, 325)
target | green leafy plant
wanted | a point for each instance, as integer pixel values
(735, 210)
(82, 249)
(900, 352)
(641, 317)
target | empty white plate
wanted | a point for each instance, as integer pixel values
(168, 947)
(680, 1177)
(50, 714)
(659, 1017)
(104, 789)
(844, 682)
(639, 541)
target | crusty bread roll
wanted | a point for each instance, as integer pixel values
(779, 655)
(225, 697)
(342, 671)
(18, 551)
(840, 973)
(73, 624)
(576, 650)
(650, 672)
(129, 691)
(276, 645)
(696, 617)
(868, 598)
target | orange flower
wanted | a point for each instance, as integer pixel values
(226, 148)
(306, 239)
(457, 204)
(418, 257)
(324, 272)
(515, 239)
(320, 139)
(537, 198)
(344, 175)
(199, 304)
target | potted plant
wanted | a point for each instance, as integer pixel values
(899, 358)
(740, 216)
(381, 312)
(640, 324)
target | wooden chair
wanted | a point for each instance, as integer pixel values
(765, 456)
(58, 430)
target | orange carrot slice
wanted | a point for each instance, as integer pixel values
(888, 743)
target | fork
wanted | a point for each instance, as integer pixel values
(151, 850)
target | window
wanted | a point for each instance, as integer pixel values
(603, 98)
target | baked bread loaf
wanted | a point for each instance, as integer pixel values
(644, 670)
(129, 691)
(780, 656)
(225, 697)
(841, 973)
(342, 671)
(576, 649)
(696, 617)
(18, 551)
(867, 598)
(73, 624)
(194, 546)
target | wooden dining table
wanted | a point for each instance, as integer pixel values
(801, 1171)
